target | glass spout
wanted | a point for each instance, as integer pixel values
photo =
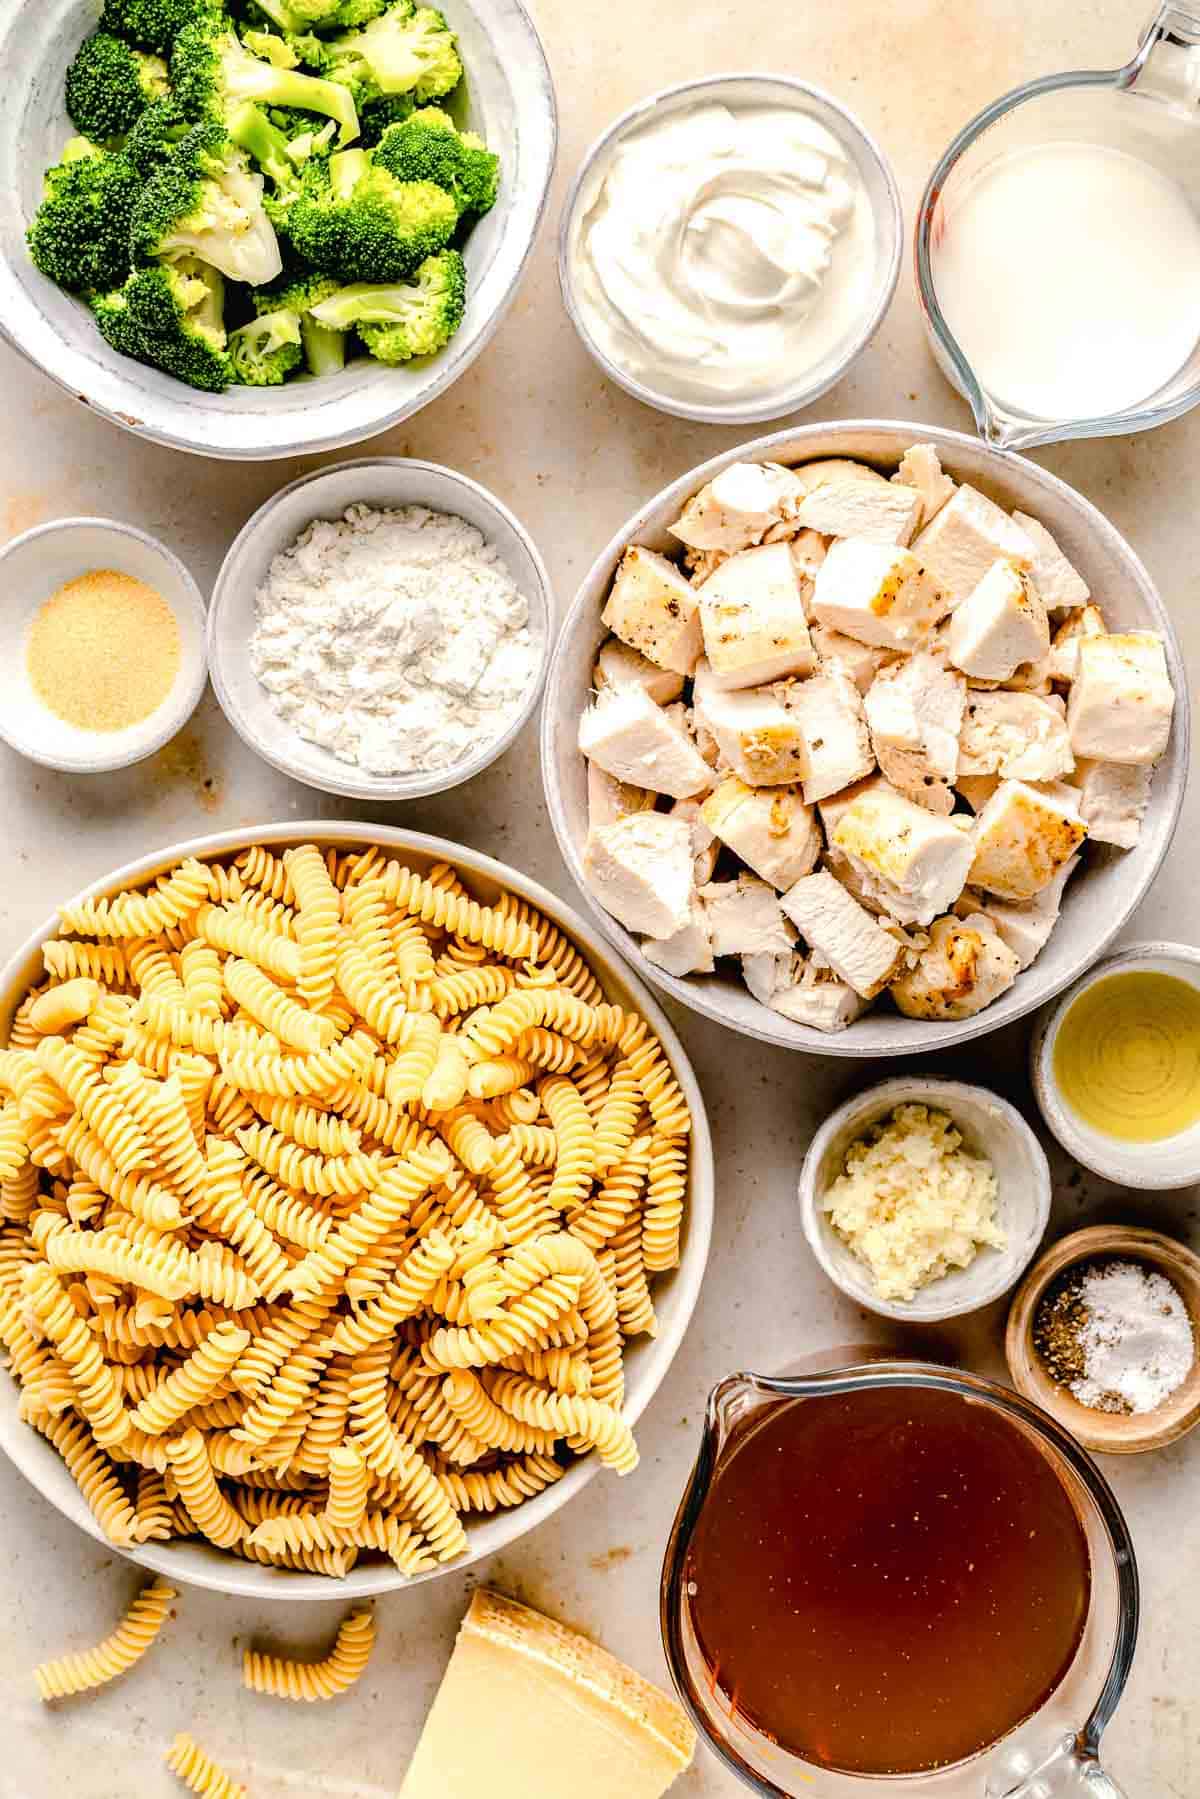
(1167, 65)
(1069, 1773)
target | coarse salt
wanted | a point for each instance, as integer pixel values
(1137, 1339)
(396, 640)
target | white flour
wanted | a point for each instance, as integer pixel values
(397, 640)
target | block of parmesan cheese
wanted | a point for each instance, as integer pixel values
(530, 1710)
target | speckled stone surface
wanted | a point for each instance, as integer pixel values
(572, 456)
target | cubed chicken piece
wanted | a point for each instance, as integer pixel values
(832, 810)
(837, 744)
(1060, 585)
(977, 790)
(1121, 699)
(738, 507)
(966, 967)
(861, 661)
(1062, 664)
(921, 469)
(1113, 797)
(852, 500)
(809, 550)
(631, 738)
(655, 611)
(1023, 837)
(610, 799)
(967, 536)
(1018, 735)
(619, 666)
(700, 564)
(915, 711)
(757, 738)
(770, 828)
(843, 933)
(913, 862)
(688, 951)
(744, 918)
(753, 619)
(1001, 624)
(878, 593)
(1028, 677)
(640, 869)
(1024, 928)
(706, 846)
(796, 987)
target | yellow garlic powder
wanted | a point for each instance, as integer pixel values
(912, 1203)
(103, 652)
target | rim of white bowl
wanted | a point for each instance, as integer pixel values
(1139, 1165)
(174, 713)
(931, 1037)
(357, 786)
(802, 394)
(221, 1572)
(900, 1090)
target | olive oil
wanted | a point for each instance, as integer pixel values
(887, 1581)
(1127, 1056)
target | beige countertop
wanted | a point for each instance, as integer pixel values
(573, 456)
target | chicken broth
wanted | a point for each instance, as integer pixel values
(887, 1581)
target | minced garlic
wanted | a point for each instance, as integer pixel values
(912, 1203)
(103, 652)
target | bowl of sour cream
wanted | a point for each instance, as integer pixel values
(730, 246)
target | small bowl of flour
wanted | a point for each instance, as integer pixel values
(381, 630)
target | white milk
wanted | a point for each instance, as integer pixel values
(1070, 275)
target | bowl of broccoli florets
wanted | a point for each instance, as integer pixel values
(254, 228)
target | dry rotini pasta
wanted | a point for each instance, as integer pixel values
(128, 1643)
(329, 1200)
(285, 1678)
(199, 1773)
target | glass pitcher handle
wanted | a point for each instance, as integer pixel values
(1070, 1773)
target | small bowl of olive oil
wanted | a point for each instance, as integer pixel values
(1116, 1066)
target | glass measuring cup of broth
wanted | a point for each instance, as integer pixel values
(1058, 248)
(898, 1571)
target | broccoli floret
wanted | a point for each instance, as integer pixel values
(268, 46)
(398, 322)
(80, 236)
(153, 24)
(206, 201)
(109, 86)
(374, 116)
(161, 128)
(428, 147)
(320, 15)
(213, 72)
(170, 316)
(404, 51)
(358, 222)
(324, 348)
(267, 350)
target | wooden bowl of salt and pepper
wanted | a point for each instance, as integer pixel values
(1104, 1334)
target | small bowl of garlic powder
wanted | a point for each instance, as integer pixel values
(381, 629)
(925, 1199)
(102, 655)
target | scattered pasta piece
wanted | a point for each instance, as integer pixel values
(284, 1678)
(330, 1199)
(77, 1672)
(199, 1773)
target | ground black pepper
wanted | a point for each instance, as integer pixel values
(1061, 1315)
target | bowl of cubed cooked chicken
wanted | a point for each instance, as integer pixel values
(865, 739)
(260, 228)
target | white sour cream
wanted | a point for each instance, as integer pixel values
(721, 255)
(1070, 275)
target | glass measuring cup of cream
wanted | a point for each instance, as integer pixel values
(897, 1570)
(1058, 248)
(730, 246)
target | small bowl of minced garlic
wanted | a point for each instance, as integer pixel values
(102, 655)
(925, 1199)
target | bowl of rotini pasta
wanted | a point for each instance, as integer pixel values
(354, 1200)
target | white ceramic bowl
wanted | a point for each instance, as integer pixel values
(389, 481)
(509, 99)
(1101, 897)
(989, 1127)
(646, 1361)
(1174, 1162)
(882, 191)
(35, 565)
